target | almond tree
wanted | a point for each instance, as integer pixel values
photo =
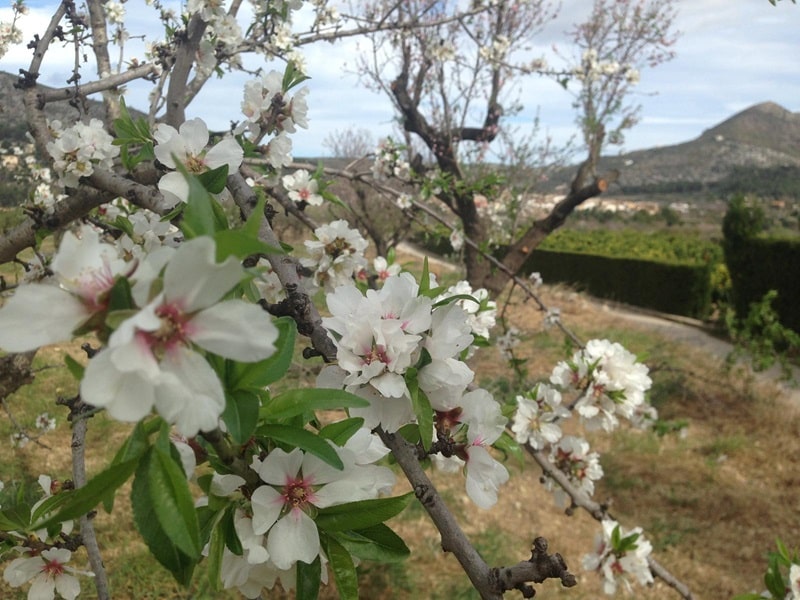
(453, 83)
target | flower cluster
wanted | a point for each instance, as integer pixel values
(572, 457)
(592, 69)
(78, 149)
(497, 51)
(153, 356)
(45, 568)
(619, 553)
(612, 384)
(187, 146)
(276, 527)
(395, 343)
(302, 188)
(480, 310)
(389, 161)
(269, 109)
(537, 417)
(335, 256)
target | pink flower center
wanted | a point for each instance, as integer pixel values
(297, 492)
(93, 284)
(376, 353)
(195, 164)
(304, 194)
(52, 568)
(173, 331)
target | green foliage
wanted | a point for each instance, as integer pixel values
(762, 337)
(776, 582)
(681, 289)
(772, 182)
(743, 220)
(660, 246)
(133, 137)
(758, 264)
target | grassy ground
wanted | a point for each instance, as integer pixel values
(712, 499)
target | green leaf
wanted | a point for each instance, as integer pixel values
(253, 224)
(362, 514)
(123, 223)
(120, 297)
(378, 543)
(162, 483)
(299, 401)
(451, 299)
(164, 514)
(214, 180)
(235, 243)
(303, 439)
(202, 214)
(216, 548)
(308, 579)
(76, 503)
(509, 446)
(241, 414)
(15, 518)
(261, 374)
(135, 446)
(425, 288)
(75, 368)
(422, 408)
(341, 564)
(341, 431)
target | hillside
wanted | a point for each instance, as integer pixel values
(764, 136)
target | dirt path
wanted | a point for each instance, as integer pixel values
(692, 333)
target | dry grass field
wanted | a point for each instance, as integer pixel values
(712, 498)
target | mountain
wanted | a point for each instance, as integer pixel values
(763, 137)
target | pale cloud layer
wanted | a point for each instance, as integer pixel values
(731, 54)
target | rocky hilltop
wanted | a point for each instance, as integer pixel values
(764, 136)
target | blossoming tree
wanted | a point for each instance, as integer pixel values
(193, 311)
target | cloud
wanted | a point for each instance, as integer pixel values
(730, 55)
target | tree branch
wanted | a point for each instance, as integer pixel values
(581, 498)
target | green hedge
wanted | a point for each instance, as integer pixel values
(679, 289)
(760, 264)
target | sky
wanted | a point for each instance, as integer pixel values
(731, 54)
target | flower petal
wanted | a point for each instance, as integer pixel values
(195, 279)
(266, 504)
(126, 396)
(228, 151)
(38, 315)
(292, 538)
(174, 186)
(235, 329)
(189, 393)
(280, 465)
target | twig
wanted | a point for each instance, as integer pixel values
(581, 499)
(79, 428)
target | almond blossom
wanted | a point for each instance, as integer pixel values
(47, 573)
(302, 187)
(297, 484)
(572, 457)
(38, 314)
(619, 553)
(187, 146)
(537, 416)
(151, 360)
